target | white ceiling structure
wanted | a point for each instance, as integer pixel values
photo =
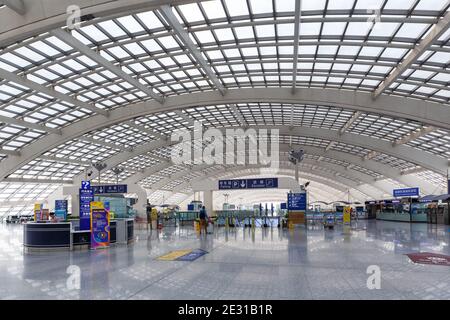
(361, 85)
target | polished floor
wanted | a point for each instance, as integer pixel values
(241, 264)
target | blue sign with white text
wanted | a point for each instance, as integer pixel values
(296, 201)
(86, 197)
(232, 184)
(266, 183)
(263, 183)
(107, 189)
(407, 192)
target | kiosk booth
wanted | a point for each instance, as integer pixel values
(43, 234)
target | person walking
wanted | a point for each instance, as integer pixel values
(203, 220)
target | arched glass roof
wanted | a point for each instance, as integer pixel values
(56, 84)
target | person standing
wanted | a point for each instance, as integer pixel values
(203, 220)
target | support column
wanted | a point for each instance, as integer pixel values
(296, 173)
(75, 204)
(208, 201)
(141, 204)
(73, 192)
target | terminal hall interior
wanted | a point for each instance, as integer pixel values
(224, 149)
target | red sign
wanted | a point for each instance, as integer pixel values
(430, 258)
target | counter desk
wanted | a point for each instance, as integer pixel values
(39, 236)
(47, 236)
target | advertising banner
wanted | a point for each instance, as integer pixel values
(61, 208)
(347, 215)
(45, 214)
(100, 232)
(37, 211)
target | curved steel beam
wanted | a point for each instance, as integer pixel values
(356, 177)
(378, 167)
(324, 179)
(417, 110)
(333, 180)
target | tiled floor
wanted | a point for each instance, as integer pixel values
(266, 264)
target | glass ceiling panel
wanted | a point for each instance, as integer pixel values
(248, 44)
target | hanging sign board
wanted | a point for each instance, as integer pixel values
(110, 189)
(100, 231)
(265, 183)
(407, 192)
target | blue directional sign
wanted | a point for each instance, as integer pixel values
(283, 206)
(85, 185)
(108, 189)
(86, 197)
(266, 183)
(407, 192)
(296, 201)
(232, 184)
(263, 183)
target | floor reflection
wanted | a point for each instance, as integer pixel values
(271, 262)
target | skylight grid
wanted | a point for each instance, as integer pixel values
(110, 176)
(163, 123)
(382, 127)
(82, 151)
(440, 181)
(150, 180)
(172, 184)
(354, 150)
(123, 135)
(139, 162)
(437, 142)
(25, 192)
(14, 137)
(394, 162)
